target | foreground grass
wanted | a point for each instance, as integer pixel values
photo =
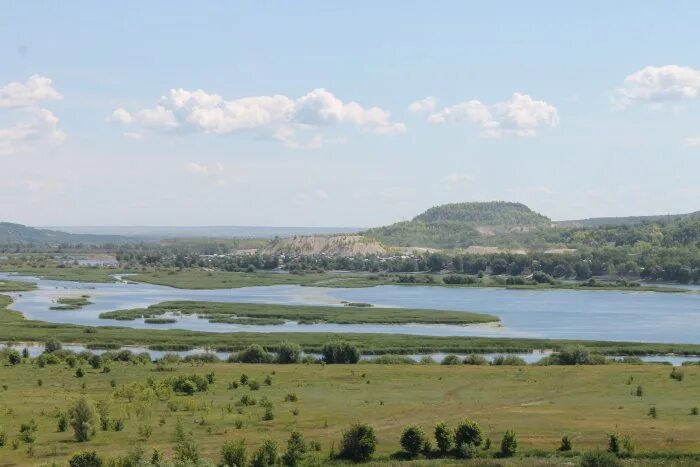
(273, 314)
(540, 403)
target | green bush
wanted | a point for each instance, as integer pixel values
(468, 432)
(52, 345)
(340, 352)
(475, 359)
(266, 455)
(509, 444)
(254, 354)
(233, 454)
(189, 384)
(412, 440)
(444, 436)
(450, 360)
(296, 447)
(86, 459)
(510, 360)
(288, 352)
(467, 451)
(14, 357)
(566, 444)
(677, 374)
(82, 420)
(600, 459)
(359, 443)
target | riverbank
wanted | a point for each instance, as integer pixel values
(14, 328)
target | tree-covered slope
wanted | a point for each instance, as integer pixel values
(21, 234)
(460, 225)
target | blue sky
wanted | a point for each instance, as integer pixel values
(303, 117)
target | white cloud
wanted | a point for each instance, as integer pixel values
(275, 117)
(195, 168)
(426, 105)
(654, 84)
(37, 126)
(40, 127)
(519, 116)
(693, 141)
(36, 89)
(316, 195)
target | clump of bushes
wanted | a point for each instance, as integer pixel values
(253, 354)
(455, 279)
(189, 384)
(475, 359)
(359, 443)
(413, 440)
(340, 352)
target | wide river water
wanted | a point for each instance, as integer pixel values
(560, 314)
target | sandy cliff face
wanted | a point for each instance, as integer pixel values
(336, 245)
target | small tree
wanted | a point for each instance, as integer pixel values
(359, 443)
(468, 432)
(444, 436)
(86, 459)
(296, 447)
(566, 444)
(266, 455)
(288, 352)
(509, 444)
(82, 420)
(52, 345)
(13, 357)
(233, 454)
(412, 440)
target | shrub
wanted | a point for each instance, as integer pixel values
(269, 414)
(52, 345)
(233, 454)
(14, 357)
(450, 360)
(62, 423)
(254, 354)
(85, 459)
(468, 432)
(95, 361)
(542, 277)
(82, 420)
(600, 459)
(467, 451)
(566, 444)
(652, 412)
(189, 384)
(268, 380)
(444, 436)
(79, 373)
(512, 360)
(288, 352)
(412, 440)
(359, 443)
(3, 437)
(677, 374)
(291, 397)
(475, 359)
(509, 444)
(340, 352)
(296, 447)
(640, 391)
(694, 411)
(27, 431)
(266, 454)
(253, 385)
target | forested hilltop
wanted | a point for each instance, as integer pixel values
(460, 225)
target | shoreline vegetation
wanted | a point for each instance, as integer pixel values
(15, 328)
(200, 279)
(250, 313)
(71, 303)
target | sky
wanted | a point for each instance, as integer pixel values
(344, 113)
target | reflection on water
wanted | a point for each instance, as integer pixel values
(563, 314)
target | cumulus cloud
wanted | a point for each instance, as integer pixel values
(36, 89)
(275, 117)
(520, 116)
(426, 105)
(36, 126)
(659, 84)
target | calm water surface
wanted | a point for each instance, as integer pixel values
(565, 314)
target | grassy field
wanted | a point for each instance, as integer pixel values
(232, 312)
(16, 286)
(540, 403)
